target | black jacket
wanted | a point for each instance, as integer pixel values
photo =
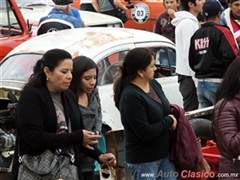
(37, 125)
(212, 49)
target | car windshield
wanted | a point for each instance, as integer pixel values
(24, 3)
(18, 67)
(7, 16)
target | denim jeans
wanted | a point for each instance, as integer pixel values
(206, 92)
(157, 170)
(164, 58)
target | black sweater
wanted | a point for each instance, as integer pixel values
(146, 124)
(37, 125)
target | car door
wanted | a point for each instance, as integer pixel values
(13, 28)
(108, 63)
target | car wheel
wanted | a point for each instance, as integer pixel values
(203, 129)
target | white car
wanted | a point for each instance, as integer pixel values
(107, 47)
(33, 10)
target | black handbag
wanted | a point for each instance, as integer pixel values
(121, 14)
(48, 165)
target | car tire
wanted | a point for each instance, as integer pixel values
(203, 129)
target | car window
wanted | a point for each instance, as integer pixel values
(109, 67)
(24, 3)
(9, 25)
(19, 67)
(165, 61)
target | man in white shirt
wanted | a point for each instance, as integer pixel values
(186, 24)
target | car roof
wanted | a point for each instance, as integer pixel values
(87, 41)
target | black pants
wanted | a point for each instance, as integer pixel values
(87, 7)
(88, 175)
(189, 92)
(111, 13)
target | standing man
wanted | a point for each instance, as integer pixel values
(163, 24)
(231, 18)
(186, 24)
(212, 49)
(107, 7)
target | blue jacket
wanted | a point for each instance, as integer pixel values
(73, 12)
(63, 16)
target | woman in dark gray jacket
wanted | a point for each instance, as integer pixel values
(83, 85)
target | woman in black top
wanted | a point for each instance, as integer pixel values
(145, 116)
(44, 109)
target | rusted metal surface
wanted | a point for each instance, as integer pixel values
(115, 145)
(203, 112)
(86, 40)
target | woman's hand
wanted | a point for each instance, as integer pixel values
(89, 138)
(174, 124)
(108, 159)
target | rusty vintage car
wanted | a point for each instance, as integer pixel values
(19, 21)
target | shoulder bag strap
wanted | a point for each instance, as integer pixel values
(113, 5)
(71, 148)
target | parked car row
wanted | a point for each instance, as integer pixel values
(19, 21)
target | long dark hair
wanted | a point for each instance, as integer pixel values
(50, 59)
(81, 64)
(230, 84)
(135, 60)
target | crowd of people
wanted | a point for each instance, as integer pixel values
(212, 45)
(208, 74)
(61, 94)
(48, 109)
(63, 16)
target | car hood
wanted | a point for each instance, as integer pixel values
(9, 85)
(86, 41)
